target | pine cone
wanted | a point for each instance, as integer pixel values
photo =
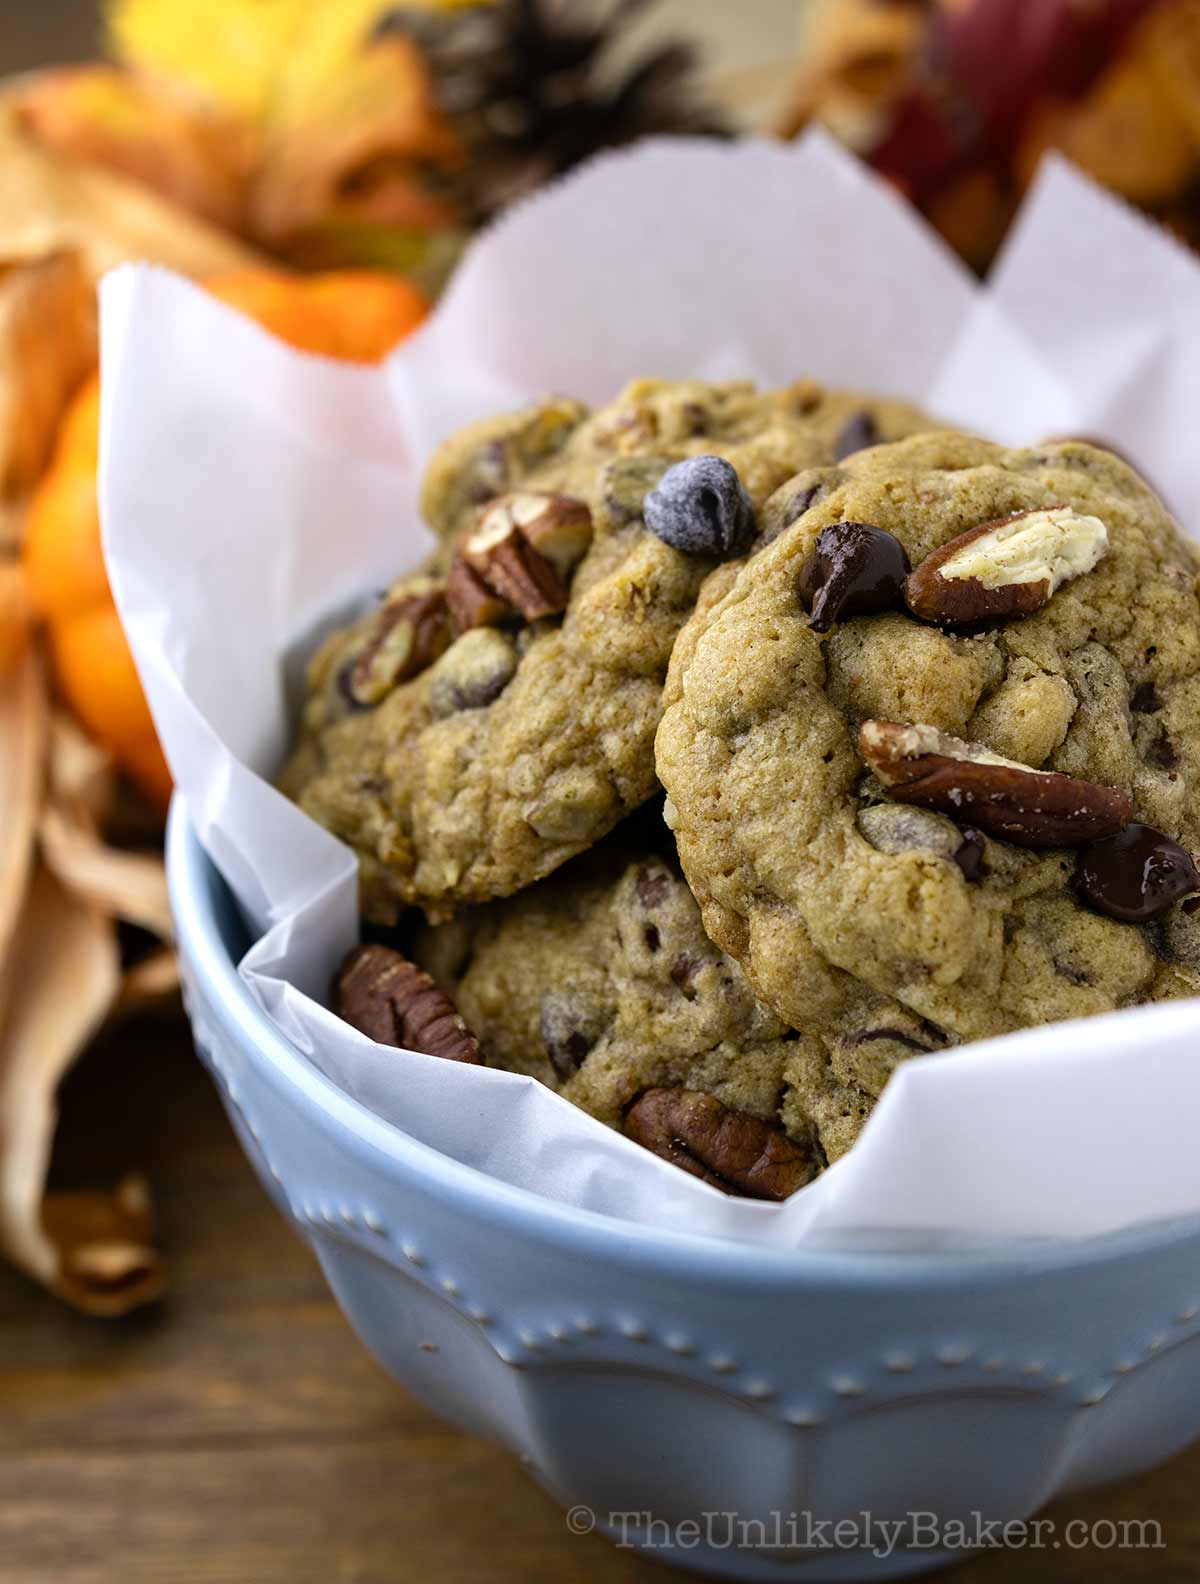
(526, 85)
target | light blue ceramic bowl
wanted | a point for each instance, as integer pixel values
(638, 1372)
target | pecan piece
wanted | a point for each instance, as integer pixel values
(732, 1150)
(518, 560)
(472, 603)
(406, 635)
(1031, 808)
(1007, 567)
(391, 1000)
(558, 527)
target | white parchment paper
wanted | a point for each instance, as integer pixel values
(250, 494)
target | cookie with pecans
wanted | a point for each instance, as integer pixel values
(495, 714)
(932, 754)
(601, 983)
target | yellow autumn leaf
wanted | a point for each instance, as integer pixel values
(258, 57)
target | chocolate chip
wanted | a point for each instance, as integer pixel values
(653, 887)
(683, 975)
(855, 570)
(1144, 699)
(970, 855)
(569, 1028)
(858, 432)
(700, 507)
(800, 503)
(893, 1035)
(1136, 874)
(1075, 976)
(652, 938)
(1162, 753)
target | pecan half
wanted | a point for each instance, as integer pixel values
(1031, 808)
(518, 560)
(406, 635)
(1007, 567)
(733, 1151)
(391, 1000)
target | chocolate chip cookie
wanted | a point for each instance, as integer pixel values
(496, 714)
(932, 754)
(601, 983)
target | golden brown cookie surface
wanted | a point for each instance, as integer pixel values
(496, 715)
(857, 915)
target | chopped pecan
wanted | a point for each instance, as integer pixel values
(1031, 808)
(732, 1150)
(391, 1000)
(518, 560)
(406, 634)
(1007, 567)
(558, 527)
(472, 603)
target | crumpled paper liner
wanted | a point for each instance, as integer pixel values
(250, 496)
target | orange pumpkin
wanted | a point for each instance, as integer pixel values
(358, 315)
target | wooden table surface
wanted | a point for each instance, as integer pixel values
(239, 1434)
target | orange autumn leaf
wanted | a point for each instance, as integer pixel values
(191, 153)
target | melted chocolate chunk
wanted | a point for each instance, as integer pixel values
(855, 570)
(1136, 874)
(1144, 699)
(858, 432)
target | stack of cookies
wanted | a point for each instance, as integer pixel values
(734, 747)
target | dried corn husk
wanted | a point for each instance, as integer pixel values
(24, 723)
(104, 1243)
(61, 890)
(14, 616)
(62, 975)
(47, 346)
